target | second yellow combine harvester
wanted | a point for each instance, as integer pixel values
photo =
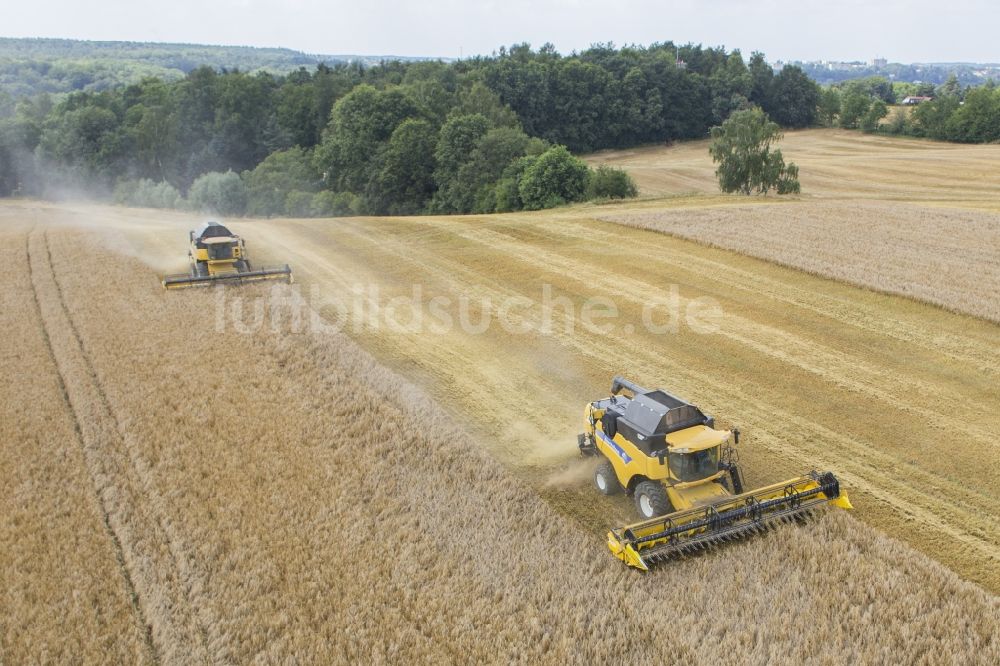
(683, 476)
(217, 255)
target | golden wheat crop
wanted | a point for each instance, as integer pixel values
(910, 217)
(63, 594)
(940, 255)
(818, 374)
(279, 496)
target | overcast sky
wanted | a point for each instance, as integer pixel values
(923, 30)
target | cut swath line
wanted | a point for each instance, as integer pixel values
(132, 593)
(172, 623)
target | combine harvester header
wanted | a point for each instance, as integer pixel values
(684, 477)
(217, 255)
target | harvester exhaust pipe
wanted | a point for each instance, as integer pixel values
(620, 383)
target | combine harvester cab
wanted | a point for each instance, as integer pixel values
(219, 256)
(684, 477)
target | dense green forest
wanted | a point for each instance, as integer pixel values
(483, 134)
(478, 135)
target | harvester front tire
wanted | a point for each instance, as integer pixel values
(651, 499)
(606, 480)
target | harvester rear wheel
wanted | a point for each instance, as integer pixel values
(651, 499)
(606, 480)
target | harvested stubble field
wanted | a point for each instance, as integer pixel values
(915, 218)
(182, 494)
(835, 164)
(179, 494)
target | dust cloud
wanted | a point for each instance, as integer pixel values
(156, 238)
(172, 261)
(572, 474)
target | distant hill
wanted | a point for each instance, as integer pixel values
(30, 66)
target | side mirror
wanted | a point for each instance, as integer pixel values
(736, 435)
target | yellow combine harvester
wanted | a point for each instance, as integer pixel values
(683, 476)
(217, 255)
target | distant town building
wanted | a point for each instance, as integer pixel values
(913, 100)
(837, 66)
(879, 63)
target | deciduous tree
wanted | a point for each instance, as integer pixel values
(556, 177)
(742, 148)
(405, 183)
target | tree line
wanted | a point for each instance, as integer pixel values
(478, 135)
(954, 113)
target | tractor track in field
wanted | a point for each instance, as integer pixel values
(904, 498)
(819, 360)
(839, 309)
(829, 364)
(99, 500)
(160, 582)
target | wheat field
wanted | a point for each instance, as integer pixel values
(61, 560)
(834, 164)
(184, 485)
(945, 256)
(913, 218)
(279, 496)
(818, 374)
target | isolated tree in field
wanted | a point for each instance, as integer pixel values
(742, 148)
